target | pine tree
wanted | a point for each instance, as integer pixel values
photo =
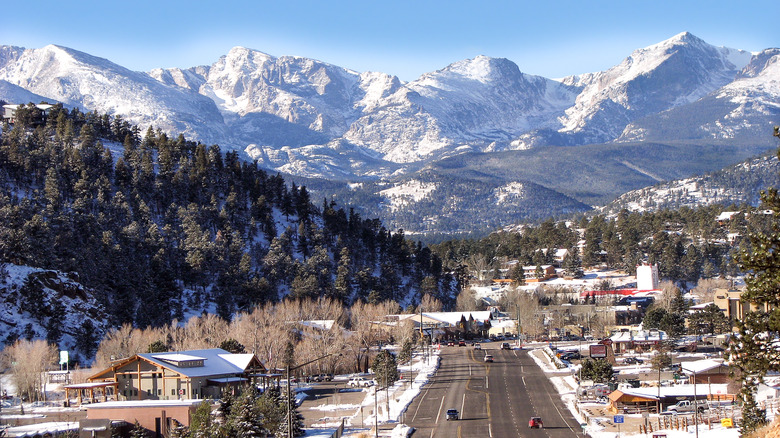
(754, 353)
(245, 420)
(138, 431)
(385, 368)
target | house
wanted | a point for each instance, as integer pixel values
(652, 398)
(175, 375)
(447, 325)
(9, 111)
(642, 340)
(548, 272)
(706, 371)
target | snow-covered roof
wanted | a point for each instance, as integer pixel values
(453, 318)
(177, 357)
(639, 335)
(700, 366)
(726, 215)
(216, 362)
(40, 429)
(322, 324)
(240, 360)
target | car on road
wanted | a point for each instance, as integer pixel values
(535, 423)
(461, 343)
(488, 358)
(322, 377)
(477, 346)
(450, 343)
(452, 414)
(506, 346)
(358, 382)
(633, 360)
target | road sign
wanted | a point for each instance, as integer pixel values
(617, 419)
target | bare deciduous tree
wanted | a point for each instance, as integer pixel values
(28, 361)
(705, 288)
(466, 301)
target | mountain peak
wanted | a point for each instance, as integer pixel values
(484, 68)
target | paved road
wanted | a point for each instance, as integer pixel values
(494, 399)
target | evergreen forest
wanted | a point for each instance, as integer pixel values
(161, 228)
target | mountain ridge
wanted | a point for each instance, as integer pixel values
(308, 118)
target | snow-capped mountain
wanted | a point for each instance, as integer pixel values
(312, 119)
(289, 112)
(667, 75)
(81, 80)
(745, 108)
(479, 104)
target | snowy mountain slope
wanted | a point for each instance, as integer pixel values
(745, 108)
(35, 303)
(670, 74)
(741, 183)
(292, 107)
(15, 93)
(483, 102)
(78, 79)
(308, 118)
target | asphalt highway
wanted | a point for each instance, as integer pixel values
(494, 399)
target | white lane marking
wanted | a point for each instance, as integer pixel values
(490, 431)
(440, 406)
(463, 406)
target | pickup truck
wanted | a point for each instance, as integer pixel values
(685, 406)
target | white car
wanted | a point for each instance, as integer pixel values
(358, 382)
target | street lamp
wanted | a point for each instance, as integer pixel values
(289, 368)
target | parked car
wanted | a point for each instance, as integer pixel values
(322, 377)
(633, 360)
(569, 355)
(358, 382)
(506, 346)
(488, 358)
(535, 423)
(452, 414)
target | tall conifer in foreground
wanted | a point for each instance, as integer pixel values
(755, 352)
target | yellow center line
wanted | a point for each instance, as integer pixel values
(486, 393)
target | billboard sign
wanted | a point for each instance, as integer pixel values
(598, 351)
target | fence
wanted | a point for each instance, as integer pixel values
(683, 422)
(339, 430)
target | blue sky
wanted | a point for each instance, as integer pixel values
(406, 38)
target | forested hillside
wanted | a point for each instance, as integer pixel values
(162, 228)
(687, 244)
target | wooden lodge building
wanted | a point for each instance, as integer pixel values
(191, 374)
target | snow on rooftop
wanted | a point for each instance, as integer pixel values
(700, 366)
(240, 360)
(177, 357)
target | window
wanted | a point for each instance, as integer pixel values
(159, 392)
(173, 391)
